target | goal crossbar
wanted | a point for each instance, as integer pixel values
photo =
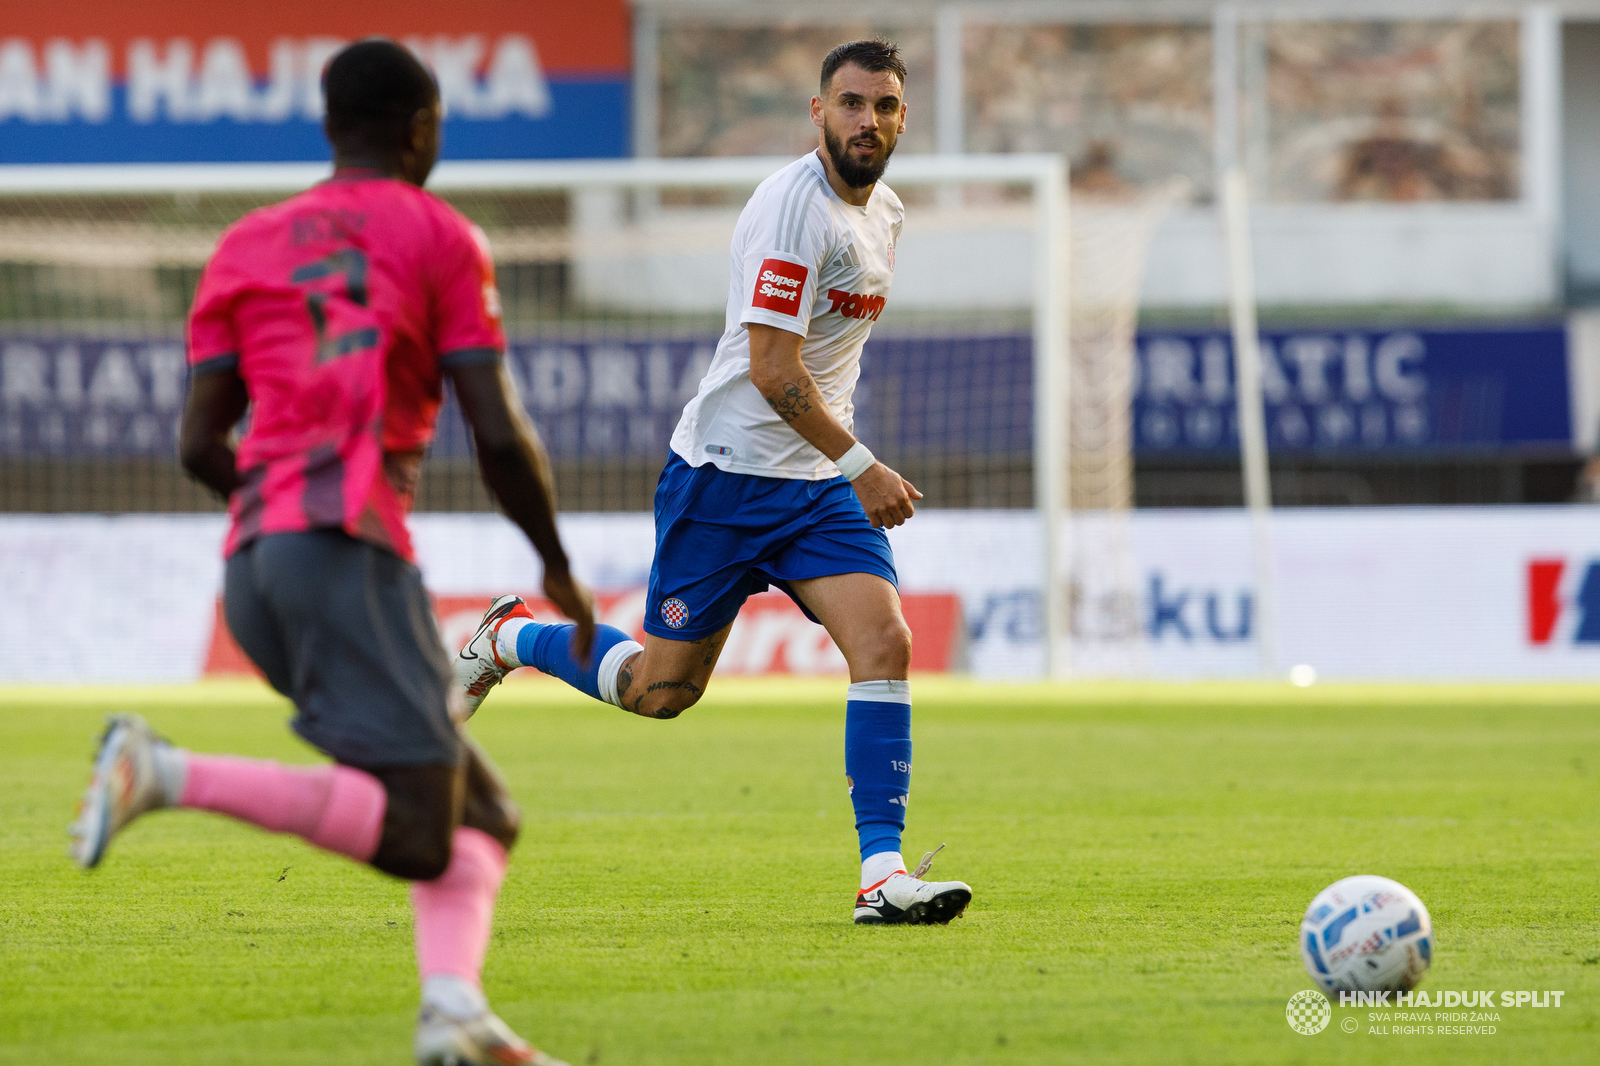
(1022, 169)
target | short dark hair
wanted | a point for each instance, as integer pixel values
(372, 89)
(873, 56)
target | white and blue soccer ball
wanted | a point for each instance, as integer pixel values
(1366, 934)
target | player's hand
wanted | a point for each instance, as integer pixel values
(573, 599)
(886, 496)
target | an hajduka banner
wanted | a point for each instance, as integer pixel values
(193, 81)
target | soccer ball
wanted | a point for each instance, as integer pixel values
(1366, 934)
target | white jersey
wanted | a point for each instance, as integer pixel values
(804, 261)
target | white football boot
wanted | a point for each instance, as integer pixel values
(482, 1040)
(478, 666)
(125, 784)
(906, 899)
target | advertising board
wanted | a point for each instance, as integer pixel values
(1359, 390)
(1355, 391)
(192, 81)
(1461, 593)
(770, 636)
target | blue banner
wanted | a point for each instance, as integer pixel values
(81, 397)
(1349, 391)
(583, 119)
(1359, 390)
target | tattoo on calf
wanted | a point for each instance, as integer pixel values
(712, 645)
(798, 398)
(691, 688)
(664, 711)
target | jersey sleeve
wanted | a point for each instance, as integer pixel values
(466, 307)
(783, 258)
(213, 336)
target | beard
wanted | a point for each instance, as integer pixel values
(852, 171)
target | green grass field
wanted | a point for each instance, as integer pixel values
(1141, 856)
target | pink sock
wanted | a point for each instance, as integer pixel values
(334, 807)
(453, 912)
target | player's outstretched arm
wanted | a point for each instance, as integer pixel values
(217, 400)
(778, 373)
(517, 471)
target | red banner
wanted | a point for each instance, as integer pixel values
(587, 39)
(770, 636)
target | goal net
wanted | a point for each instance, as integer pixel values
(613, 278)
(1110, 236)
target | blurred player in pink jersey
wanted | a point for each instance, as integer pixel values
(336, 316)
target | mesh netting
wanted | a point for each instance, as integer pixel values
(613, 300)
(1110, 236)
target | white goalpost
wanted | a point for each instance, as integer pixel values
(1252, 411)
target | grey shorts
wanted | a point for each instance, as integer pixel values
(345, 629)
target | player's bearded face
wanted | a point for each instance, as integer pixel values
(854, 168)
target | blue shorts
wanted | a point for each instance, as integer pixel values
(721, 538)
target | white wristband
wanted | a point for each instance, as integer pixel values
(855, 462)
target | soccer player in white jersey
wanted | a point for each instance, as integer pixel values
(767, 485)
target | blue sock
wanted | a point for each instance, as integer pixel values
(548, 647)
(877, 758)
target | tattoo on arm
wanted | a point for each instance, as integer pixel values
(797, 398)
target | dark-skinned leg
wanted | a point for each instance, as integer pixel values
(489, 807)
(449, 829)
(427, 803)
(424, 805)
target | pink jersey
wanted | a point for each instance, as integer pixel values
(340, 308)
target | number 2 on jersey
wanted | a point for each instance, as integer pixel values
(351, 264)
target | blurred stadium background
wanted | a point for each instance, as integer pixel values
(1426, 229)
